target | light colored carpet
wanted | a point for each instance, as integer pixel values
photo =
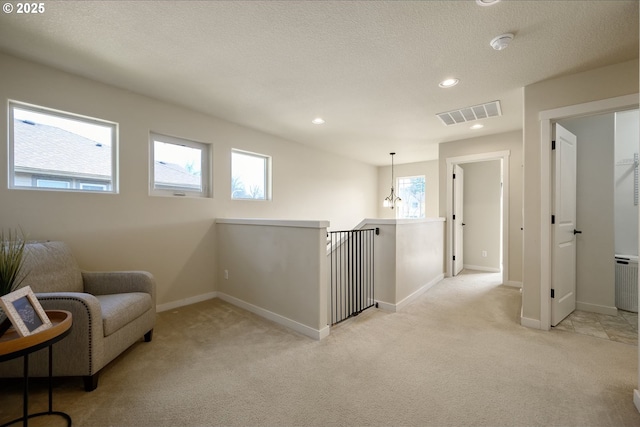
(455, 357)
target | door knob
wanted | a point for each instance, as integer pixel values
(577, 231)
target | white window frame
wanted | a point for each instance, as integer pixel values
(399, 209)
(267, 175)
(206, 162)
(69, 116)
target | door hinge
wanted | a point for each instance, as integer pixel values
(454, 257)
(553, 219)
(553, 145)
(454, 176)
(454, 217)
(553, 293)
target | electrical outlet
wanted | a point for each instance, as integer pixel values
(484, 254)
(226, 274)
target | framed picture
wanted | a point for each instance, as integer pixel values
(25, 312)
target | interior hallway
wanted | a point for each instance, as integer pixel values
(456, 356)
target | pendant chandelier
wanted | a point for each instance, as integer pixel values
(392, 200)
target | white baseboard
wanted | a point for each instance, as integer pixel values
(529, 323)
(408, 300)
(316, 334)
(387, 306)
(595, 308)
(187, 301)
(513, 283)
(636, 399)
(481, 268)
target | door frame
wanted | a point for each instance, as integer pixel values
(457, 224)
(473, 158)
(547, 119)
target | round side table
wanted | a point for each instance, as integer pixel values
(13, 345)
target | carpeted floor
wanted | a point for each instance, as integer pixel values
(455, 357)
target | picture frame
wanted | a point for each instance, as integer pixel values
(25, 312)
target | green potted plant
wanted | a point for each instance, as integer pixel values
(12, 248)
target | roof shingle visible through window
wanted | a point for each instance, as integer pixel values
(47, 148)
(175, 175)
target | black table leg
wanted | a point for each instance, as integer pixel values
(51, 411)
(25, 392)
(25, 396)
(50, 379)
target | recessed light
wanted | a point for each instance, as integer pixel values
(318, 121)
(477, 126)
(487, 2)
(448, 83)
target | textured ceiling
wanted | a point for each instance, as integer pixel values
(369, 68)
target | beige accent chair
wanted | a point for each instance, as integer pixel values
(111, 311)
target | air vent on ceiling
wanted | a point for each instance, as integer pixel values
(469, 114)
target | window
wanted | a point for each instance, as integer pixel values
(52, 183)
(411, 191)
(54, 150)
(179, 167)
(88, 186)
(250, 175)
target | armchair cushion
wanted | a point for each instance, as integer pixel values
(119, 310)
(50, 267)
(116, 282)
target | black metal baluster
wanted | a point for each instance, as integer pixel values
(352, 273)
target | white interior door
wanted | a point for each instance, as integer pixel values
(458, 219)
(563, 228)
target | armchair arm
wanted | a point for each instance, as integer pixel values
(82, 351)
(79, 304)
(118, 282)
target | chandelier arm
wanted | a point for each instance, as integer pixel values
(391, 200)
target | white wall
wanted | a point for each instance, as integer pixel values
(409, 258)
(602, 83)
(482, 211)
(277, 269)
(385, 267)
(627, 130)
(419, 257)
(173, 238)
(595, 272)
(511, 141)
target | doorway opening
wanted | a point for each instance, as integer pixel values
(547, 121)
(606, 213)
(452, 234)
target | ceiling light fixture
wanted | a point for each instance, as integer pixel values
(487, 2)
(318, 121)
(502, 41)
(392, 200)
(448, 83)
(477, 126)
